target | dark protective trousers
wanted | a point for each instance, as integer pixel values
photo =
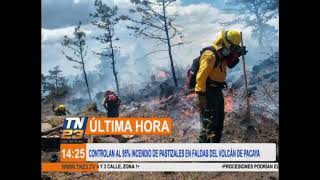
(113, 111)
(212, 117)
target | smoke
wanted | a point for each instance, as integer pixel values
(200, 24)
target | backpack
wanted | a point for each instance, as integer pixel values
(192, 72)
(111, 96)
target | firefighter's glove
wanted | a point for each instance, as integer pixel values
(202, 101)
(242, 51)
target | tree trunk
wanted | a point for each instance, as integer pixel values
(85, 75)
(115, 75)
(86, 79)
(169, 46)
(260, 41)
(57, 85)
(113, 63)
(260, 30)
(260, 34)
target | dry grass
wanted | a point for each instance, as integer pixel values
(185, 130)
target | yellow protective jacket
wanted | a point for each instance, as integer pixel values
(206, 70)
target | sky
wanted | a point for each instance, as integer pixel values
(199, 21)
(216, 3)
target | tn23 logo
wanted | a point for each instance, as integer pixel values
(74, 127)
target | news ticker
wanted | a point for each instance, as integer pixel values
(78, 156)
(91, 152)
(161, 167)
(180, 152)
(160, 157)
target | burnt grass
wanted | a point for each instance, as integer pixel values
(186, 126)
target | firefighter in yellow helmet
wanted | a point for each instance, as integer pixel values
(210, 80)
(61, 110)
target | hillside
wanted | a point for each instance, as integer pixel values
(181, 107)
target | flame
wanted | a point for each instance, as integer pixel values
(228, 104)
(162, 74)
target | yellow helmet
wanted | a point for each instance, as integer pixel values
(61, 107)
(233, 36)
(227, 37)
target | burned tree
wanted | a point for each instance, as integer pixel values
(156, 24)
(58, 81)
(46, 86)
(79, 48)
(254, 13)
(107, 19)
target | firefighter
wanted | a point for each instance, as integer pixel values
(61, 110)
(111, 102)
(210, 80)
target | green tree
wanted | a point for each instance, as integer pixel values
(156, 24)
(77, 44)
(254, 13)
(46, 86)
(107, 19)
(58, 81)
